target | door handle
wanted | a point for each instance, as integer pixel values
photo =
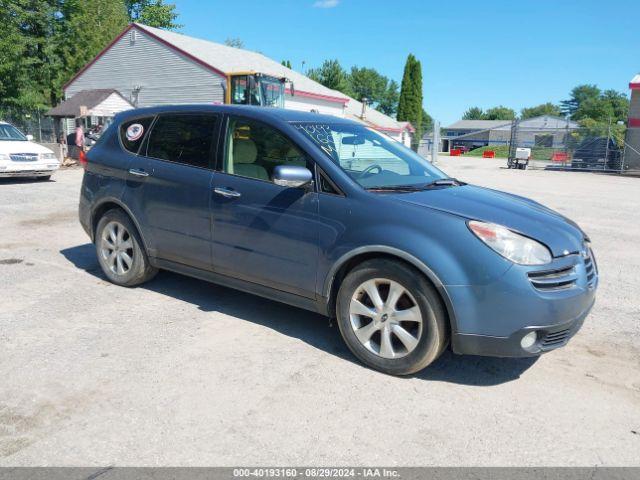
(138, 173)
(226, 192)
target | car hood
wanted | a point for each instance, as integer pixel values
(517, 213)
(9, 147)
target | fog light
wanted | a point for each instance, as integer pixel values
(529, 340)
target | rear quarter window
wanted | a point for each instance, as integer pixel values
(133, 133)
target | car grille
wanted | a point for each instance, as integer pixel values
(24, 157)
(550, 280)
(590, 267)
(555, 339)
(565, 277)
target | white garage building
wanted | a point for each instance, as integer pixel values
(150, 66)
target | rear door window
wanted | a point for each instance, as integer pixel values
(133, 132)
(184, 138)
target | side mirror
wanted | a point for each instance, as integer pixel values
(292, 176)
(29, 137)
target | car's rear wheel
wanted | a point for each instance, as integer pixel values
(391, 317)
(120, 250)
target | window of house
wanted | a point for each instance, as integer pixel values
(183, 138)
(133, 132)
(544, 140)
(255, 149)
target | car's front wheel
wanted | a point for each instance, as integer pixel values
(391, 317)
(120, 251)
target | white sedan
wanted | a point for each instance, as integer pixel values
(20, 157)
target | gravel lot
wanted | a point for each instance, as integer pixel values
(182, 372)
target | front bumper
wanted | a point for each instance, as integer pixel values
(28, 169)
(549, 338)
(492, 319)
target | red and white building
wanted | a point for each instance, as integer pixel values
(632, 149)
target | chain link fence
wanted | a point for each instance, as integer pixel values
(31, 122)
(570, 148)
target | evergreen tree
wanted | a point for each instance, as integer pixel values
(286, 63)
(410, 103)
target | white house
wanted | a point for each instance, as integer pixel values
(149, 66)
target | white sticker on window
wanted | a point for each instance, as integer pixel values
(134, 132)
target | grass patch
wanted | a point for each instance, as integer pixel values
(502, 151)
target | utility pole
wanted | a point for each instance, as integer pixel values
(436, 142)
(606, 151)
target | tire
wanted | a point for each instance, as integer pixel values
(120, 250)
(419, 298)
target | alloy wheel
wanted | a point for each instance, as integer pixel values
(116, 248)
(385, 318)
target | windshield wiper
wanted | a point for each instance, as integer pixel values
(441, 182)
(396, 188)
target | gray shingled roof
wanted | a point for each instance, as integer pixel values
(230, 59)
(84, 98)
(477, 124)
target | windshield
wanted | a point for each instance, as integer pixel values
(371, 159)
(9, 132)
(272, 92)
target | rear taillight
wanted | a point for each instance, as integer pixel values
(84, 161)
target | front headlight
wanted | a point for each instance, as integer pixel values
(48, 156)
(513, 246)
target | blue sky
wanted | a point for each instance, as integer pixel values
(516, 53)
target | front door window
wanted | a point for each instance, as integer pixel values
(255, 149)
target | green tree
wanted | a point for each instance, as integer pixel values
(388, 103)
(495, 113)
(540, 110)
(27, 53)
(367, 83)
(427, 122)
(89, 28)
(595, 128)
(499, 113)
(619, 104)
(286, 63)
(473, 113)
(410, 102)
(381, 92)
(331, 75)
(579, 94)
(154, 13)
(608, 106)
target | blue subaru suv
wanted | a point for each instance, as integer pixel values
(328, 215)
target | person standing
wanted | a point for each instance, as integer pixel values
(79, 135)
